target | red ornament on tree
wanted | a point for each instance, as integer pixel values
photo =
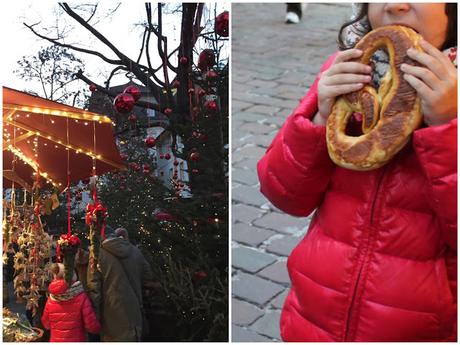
(176, 163)
(221, 25)
(183, 60)
(195, 156)
(134, 166)
(124, 103)
(150, 142)
(146, 169)
(201, 93)
(167, 156)
(176, 84)
(162, 156)
(168, 111)
(195, 171)
(211, 75)
(92, 87)
(123, 156)
(132, 118)
(211, 106)
(191, 90)
(206, 60)
(164, 216)
(133, 91)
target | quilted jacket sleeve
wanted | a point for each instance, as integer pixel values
(46, 316)
(436, 148)
(90, 321)
(295, 170)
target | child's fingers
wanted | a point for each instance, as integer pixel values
(347, 78)
(347, 55)
(337, 90)
(422, 89)
(421, 73)
(433, 63)
(349, 67)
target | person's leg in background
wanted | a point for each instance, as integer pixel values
(294, 12)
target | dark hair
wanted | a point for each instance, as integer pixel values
(451, 38)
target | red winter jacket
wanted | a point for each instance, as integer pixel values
(68, 320)
(379, 260)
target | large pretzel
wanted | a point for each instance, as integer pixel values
(390, 114)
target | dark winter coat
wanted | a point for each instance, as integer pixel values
(116, 291)
(379, 260)
(69, 314)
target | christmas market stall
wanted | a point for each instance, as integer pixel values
(47, 146)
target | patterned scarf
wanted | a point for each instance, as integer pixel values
(353, 33)
(74, 290)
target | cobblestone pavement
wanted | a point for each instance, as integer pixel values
(273, 64)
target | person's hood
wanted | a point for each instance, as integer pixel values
(58, 287)
(117, 246)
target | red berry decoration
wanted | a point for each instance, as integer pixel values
(134, 166)
(133, 91)
(183, 60)
(132, 118)
(124, 103)
(221, 25)
(150, 142)
(201, 93)
(146, 169)
(92, 87)
(211, 106)
(195, 156)
(206, 60)
(167, 156)
(211, 75)
(162, 156)
(168, 111)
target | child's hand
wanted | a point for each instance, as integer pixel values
(436, 84)
(341, 78)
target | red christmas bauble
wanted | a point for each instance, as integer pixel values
(150, 142)
(146, 168)
(124, 103)
(133, 91)
(176, 163)
(162, 156)
(195, 156)
(221, 25)
(92, 87)
(168, 111)
(167, 156)
(201, 93)
(211, 106)
(211, 75)
(206, 60)
(134, 166)
(132, 118)
(176, 84)
(183, 60)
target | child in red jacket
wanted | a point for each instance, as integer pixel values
(68, 311)
(379, 260)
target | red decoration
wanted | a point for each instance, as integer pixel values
(211, 106)
(162, 156)
(132, 118)
(92, 87)
(211, 75)
(183, 60)
(133, 91)
(201, 93)
(203, 137)
(221, 25)
(167, 156)
(124, 103)
(176, 163)
(134, 166)
(191, 90)
(168, 111)
(206, 60)
(150, 142)
(124, 156)
(195, 171)
(146, 169)
(199, 275)
(164, 216)
(176, 84)
(195, 156)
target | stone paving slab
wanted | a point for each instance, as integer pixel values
(250, 259)
(273, 65)
(254, 289)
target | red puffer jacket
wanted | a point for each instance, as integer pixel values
(379, 260)
(69, 319)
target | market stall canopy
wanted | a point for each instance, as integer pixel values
(38, 132)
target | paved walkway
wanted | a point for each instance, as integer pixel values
(273, 64)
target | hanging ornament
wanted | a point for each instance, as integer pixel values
(211, 75)
(168, 111)
(162, 156)
(132, 118)
(195, 156)
(167, 156)
(124, 103)
(183, 60)
(92, 87)
(146, 169)
(221, 25)
(206, 60)
(211, 106)
(176, 163)
(191, 90)
(201, 93)
(150, 142)
(133, 91)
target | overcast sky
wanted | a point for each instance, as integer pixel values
(120, 29)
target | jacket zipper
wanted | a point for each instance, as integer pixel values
(364, 255)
